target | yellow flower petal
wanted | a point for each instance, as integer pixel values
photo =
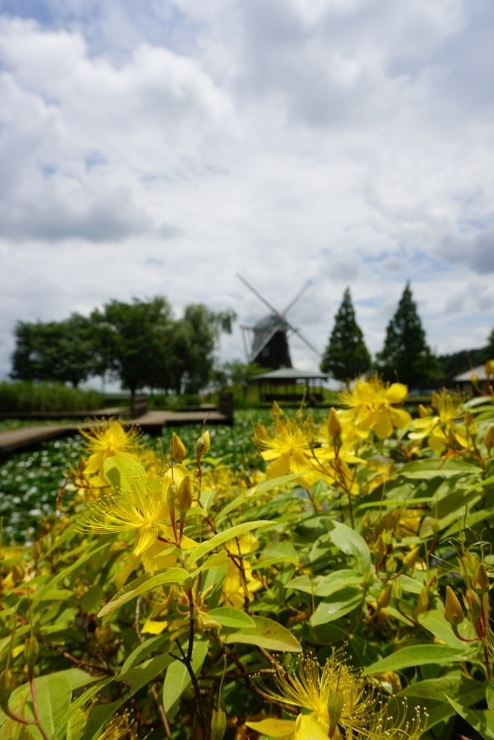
(146, 537)
(308, 728)
(396, 393)
(383, 426)
(400, 418)
(283, 728)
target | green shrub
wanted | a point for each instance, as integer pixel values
(23, 396)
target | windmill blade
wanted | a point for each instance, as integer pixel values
(297, 297)
(258, 349)
(305, 340)
(256, 292)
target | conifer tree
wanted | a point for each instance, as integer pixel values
(406, 356)
(346, 356)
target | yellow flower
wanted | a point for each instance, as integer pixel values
(371, 407)
(288, 447)
(106, 440)
(139, 506)
(333, 695)
(443, 429)
(120, 727)
(336, 706)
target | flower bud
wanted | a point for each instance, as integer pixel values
(31, 652)
(218, 724)
(6, 688)
(423, 602)
(452, 608)
(171, 495)
(385, 596)
(410, 560)
(489, 437)
(203, 444)
(184, 495)
(178, 448)
(480, 580)
(473, 605)
(336, 701)
(334, 426)
(380, 547)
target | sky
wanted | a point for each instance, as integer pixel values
(159, 147)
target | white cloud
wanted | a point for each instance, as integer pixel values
(160, 147)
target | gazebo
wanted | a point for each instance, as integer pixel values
(465, 381)
(291, 385)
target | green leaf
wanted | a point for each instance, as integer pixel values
(278, 552)
(306, 584)
(53, 693)
(481, 720)
(228, 616)
(222, 537)
(178, 679)
(434, 621)
(264, 487)
(216, 560)
(137, 677)
(90, 554)
(454, 685)
(142, 651)
(337, 581)
(437, 468)
(416, 655)
(143, 584)
(344, 601)
(351, 543)
(266, 634)
(56, 594)
(76, 725)
(81, 700)
(123, 471)
(142, 674)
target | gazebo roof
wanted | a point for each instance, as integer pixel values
(288, 373)
(466, 377)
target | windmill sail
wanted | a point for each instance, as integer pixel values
(269, 346)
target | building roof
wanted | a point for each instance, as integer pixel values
(289, 373)
(466, 377)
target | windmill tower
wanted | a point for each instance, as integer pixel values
(268, 338)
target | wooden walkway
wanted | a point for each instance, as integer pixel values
(152, 422)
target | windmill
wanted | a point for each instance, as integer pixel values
(269, 336)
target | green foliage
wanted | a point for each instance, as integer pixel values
(57, 351)
(33, 397)
(459, 362)
(367, 531)
(132, 339)
(193, 343)
(406, 356)
(346, 357)
(139, 343)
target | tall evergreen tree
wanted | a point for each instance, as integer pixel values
(406, 356)
(346, 356)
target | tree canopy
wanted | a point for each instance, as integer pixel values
(346, 356)
(58, 351)
(139, 343)
(406, 355)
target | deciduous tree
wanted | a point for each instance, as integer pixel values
(133, 341)
(193, 344)
(58, 351)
